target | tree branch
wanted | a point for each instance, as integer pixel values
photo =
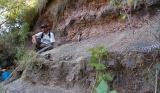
(4, 22)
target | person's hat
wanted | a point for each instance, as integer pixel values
(44, 26)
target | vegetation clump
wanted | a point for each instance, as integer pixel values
(17, 18)
(100, 86)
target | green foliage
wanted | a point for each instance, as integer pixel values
(102, 87)
(97, 54)
(123, 17)
(17, 17)
(135, 3)
(113, 3)
(14, 45)
(123, 3)
(27, 57)
(105, 76)
(113, 91)
(95, 60)
(17, 12)
(16, 40)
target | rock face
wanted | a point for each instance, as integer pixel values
(50, 72)
(66, 69)
(66, 18)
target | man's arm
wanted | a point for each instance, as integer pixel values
(34, 39)
(52, 39)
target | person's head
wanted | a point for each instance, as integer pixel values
(44, 28)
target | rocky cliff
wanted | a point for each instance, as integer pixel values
(66, 69)
(66, 18)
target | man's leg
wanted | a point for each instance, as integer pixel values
(48, 47)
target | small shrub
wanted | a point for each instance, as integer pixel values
(100, 86)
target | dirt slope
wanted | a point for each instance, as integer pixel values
(47, 74)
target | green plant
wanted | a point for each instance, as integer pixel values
(96, 61)
(17, 12)
(22, 54)
(29, 54)
(126, 6)
(14, 42)
(17, 18)
(22, 38)
(14, 46)
(123, 2)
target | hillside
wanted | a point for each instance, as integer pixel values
(66, 69)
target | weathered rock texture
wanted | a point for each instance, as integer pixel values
(92, 17)
(133, 72)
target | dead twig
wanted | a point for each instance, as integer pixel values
(155, 90)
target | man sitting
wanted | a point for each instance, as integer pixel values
(43, 40)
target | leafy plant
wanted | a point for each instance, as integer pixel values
(124, 4)
(95, 60)
(123, 17)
